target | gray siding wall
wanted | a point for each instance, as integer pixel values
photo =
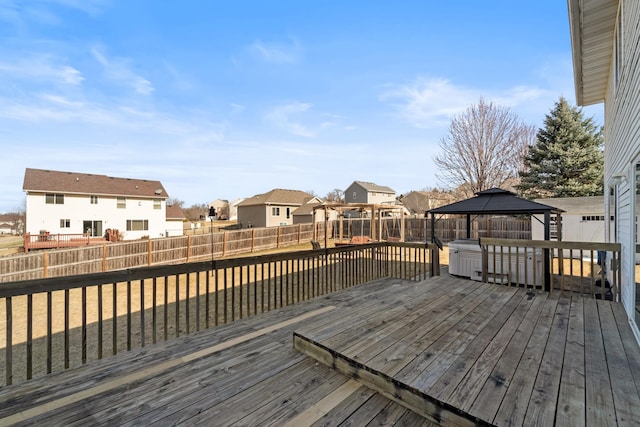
(622, 142)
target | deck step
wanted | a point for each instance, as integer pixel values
(397, 391)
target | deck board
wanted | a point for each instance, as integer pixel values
(538, 359)
(442, 350)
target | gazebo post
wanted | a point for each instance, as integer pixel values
(468, 226)
(546, 262)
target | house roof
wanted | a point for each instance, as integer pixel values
(175, 212)
(495, 201)
(577, 205)
(370, 186)
(278, 197)
(592, 24)
(40, 180)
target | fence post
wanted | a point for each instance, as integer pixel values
(149, 252)
(104, 257)
(188, 247)
(224, 243)
(299, 233)
(278, 238)
(45, 264)
(253, 239)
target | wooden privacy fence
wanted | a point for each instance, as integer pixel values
(116, 256)
(53, 324)
(447, 229)
(585, 268)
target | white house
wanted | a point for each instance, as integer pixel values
(605, 41)
(368, 192)
(583, 219)
(175, 221)
(75, 203)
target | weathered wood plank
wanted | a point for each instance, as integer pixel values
(489, 398)
(413, 399)
(625, 393)
(542, 407)
(631, 348)
(571, 399)
(515, 402)
(599, 400)
(459, 368)
(433, 360)
(465, 393)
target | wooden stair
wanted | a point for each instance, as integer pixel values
(397, 391)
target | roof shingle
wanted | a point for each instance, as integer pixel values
(40, 180)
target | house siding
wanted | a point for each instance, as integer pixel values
(356, 193)
(622, 142)
(78, 208)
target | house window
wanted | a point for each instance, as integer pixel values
(157, 204)
(54, 199)
(288, 213)
(94, 200)
(122, 202)
(65, 223)
(137, 224)
(275, 211)
(355, 195)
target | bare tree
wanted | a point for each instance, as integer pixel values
(196, 212)
(484, 148)
(174, 201)
(335, 195)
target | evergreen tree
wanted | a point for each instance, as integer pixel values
(567, 159)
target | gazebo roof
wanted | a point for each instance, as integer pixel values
(495, 201)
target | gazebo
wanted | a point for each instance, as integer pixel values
(497, 201)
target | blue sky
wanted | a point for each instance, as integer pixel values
(220, 99)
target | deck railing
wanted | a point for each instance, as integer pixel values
(579, 267)
(56, 241)
(49, 325)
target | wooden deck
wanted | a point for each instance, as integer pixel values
(445, 349)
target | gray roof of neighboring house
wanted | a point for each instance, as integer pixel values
(306, 209)
(370, 186)
(40, 180)
(278, 197)
(575, 205)
(175, 213)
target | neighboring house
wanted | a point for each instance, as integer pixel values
(368, 192)
(304, 214)
(10, 223)
(233, 209)
(271, 209)
(583, 219)
(6, 228)
(418, 202)
(175, 221)
(222, 208)
(605, 39)
(75, 203)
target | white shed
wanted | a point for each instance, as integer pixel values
(584, 219)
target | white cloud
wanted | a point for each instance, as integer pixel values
(280, 116)
(429, 103)
(119, 70)
(276, 53)
(42, 68)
